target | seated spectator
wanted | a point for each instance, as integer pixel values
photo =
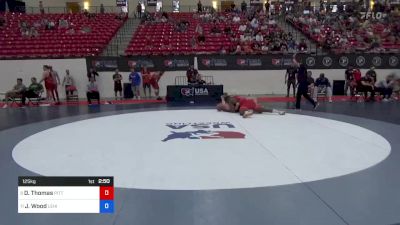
(302, 45)
(92, 91)
(33, 32)
(17, 92)
(385, 87)
(2, 21)
(228, 30)
(310, 82)
(70, 31)
(86, 30)
(367, 85)
(215, 30)
(236, 19)
(35, 89)
(50, 25)
(322, 85)
(238, 49)
(201, 38)
(254, 23)
(259, 37)
(63, 23)
(242, 27)
(372, 74)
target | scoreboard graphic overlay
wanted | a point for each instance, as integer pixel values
(65, 194)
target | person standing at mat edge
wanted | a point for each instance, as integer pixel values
(117, 77)
(302, 84)
(136, 79)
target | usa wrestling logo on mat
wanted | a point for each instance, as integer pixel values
(209, 130)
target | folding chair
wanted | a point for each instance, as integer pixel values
(35, 101)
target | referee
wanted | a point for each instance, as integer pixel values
(302, 84)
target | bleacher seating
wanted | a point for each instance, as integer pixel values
(359, 35)
(161, 38)
(57, 42)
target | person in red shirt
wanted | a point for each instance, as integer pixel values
(146, 76)
(49, 83)
(154, 78)
(245, 106)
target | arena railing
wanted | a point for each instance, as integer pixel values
(51, 10)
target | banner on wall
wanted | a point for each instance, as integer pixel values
(121, 3)
(151, 2)
(243, 62)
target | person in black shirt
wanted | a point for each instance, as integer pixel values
(302, 84)
(290, 79)
(372, 74)
(191, 75)
(117, 78)
(367, 85)
(349, 83)
(92, 73)
(322, 85)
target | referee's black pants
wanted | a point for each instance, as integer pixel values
(303, 91)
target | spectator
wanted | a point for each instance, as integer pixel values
(68, 83)
(2, 21)
(102, 10)
(41, 8)
(34, 90)
(236, 19)
(367, 85)
(302, 45)
(385, 87)
(50, 25)
(135, 79)
(139, 10)
(17, 92)
(92, 91)
(86, 30)
(92, 73)
(267, 6)
(322, 85)
(243, 6)
(63, 23)
(117, 78)
(199, 7)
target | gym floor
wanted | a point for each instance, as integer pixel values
(336, 165)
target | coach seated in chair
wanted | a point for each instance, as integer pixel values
(35, 90)
(17, 92)
(310, 82)
(92, 91)
(322, 85)
(385, 87)
(367, 85)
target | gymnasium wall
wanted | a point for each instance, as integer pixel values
(236, 82)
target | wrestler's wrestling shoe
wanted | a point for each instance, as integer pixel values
(281, 113)
(247, 113)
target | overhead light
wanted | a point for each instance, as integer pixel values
(214, 4)
(86, 5)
